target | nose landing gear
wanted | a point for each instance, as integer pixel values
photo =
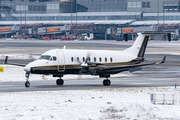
(27, 83)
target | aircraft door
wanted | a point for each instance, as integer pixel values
(61, 61)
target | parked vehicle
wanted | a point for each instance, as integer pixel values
(46, 38)
(54, 37)
(176, 38)
(62, 38)
(68, 38)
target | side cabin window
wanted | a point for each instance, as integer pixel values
(77, 59)
(72, 59)
(46, 57)
(105, 59)
(89, 59)
(100, 59)
(111, 59)
(94, 59)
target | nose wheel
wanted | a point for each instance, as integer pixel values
(60, 81)
(27, 83)
(106, 82)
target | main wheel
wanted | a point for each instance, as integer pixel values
(106, 82)
(27, 84)
(59, 81)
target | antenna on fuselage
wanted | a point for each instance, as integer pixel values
(64, 47)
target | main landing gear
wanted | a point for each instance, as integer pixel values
(60, 81)
(27, 83)
(106, 82)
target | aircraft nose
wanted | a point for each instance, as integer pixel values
(27, 68)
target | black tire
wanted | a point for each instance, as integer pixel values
(27, 84)
(107, 82)
(59, 81)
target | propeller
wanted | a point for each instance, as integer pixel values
(84, 63)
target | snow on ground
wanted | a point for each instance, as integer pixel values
(98, 104)
(175, 53)
(15, 73)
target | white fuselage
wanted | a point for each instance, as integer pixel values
(68, 57)
(67, 61)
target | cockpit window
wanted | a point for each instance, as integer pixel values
(47, 57)
(54, 58)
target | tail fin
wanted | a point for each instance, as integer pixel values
(139, 47)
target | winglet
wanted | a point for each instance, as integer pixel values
(164, 59)
(5, 62)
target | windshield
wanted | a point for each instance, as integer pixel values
(47, 57)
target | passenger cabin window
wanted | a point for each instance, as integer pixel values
(89, 59)
(77, 59)
(94, 59)
(105, 59)
(111, 59)
(83, 59)
(100, 59)
(72, 59)
(46, 57)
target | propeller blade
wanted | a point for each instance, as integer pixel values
(87, 57)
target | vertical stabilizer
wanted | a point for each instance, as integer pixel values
(139, 47)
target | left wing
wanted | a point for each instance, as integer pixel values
(131, 68)
(16, 64)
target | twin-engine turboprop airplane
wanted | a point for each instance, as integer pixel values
(59, 62)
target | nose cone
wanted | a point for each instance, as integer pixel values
(27, 68)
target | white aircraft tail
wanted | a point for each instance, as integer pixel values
(139, 47)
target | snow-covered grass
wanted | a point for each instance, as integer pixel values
(18, 74)
(97, 104)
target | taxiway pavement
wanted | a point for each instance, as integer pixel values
(167, 74)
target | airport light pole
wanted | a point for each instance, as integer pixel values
(76, 15)
(158, 12)
(25, 15)
(163, 15)
(21, 9)
(71, 12)
(76, 19)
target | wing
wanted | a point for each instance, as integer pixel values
(131, 68)
(16, 64)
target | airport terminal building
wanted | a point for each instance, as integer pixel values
(11, 10)
(100, 15)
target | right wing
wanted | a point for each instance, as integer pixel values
(131, 68)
